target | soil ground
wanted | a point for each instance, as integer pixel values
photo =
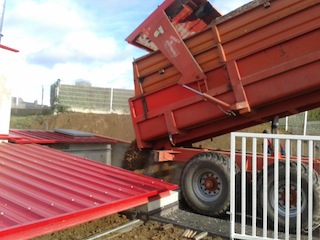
(120, 127)
(111, 125)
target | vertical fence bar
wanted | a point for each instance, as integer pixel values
(287, 191)
(254, 187)
(243, 186)
(232, 185)
(283, 196)
(305, 123)
(111, 100)
(276, 188)
(265, 186)
(310, 188)
(298, 189)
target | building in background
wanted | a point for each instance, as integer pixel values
(82, 97)
(21, 108)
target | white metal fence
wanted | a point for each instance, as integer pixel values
(257, 213)
(299, 124)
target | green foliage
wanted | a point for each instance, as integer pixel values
(314, 115)
(21, 122)
(59, 108)
(47, 111)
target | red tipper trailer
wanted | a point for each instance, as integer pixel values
(259, 61)
(227, 73)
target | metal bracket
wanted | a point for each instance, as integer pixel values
(242, 103)
(162, 33)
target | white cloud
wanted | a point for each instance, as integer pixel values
(51, 15)
(117, 74)
(83, 47)
(26, 80)
(71, 39)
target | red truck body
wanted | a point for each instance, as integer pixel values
(207, 75)
(239, 70)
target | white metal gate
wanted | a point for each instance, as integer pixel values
(294, 182)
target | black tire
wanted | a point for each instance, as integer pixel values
(316, 201)
(205, 184)
(281, 200)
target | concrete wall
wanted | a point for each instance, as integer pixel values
(111, 154)
(84, 98)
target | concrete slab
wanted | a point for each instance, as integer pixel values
(158, 204)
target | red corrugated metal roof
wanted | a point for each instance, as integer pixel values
(52, 137)
(44, 190)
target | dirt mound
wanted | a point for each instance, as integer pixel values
(135, 158)
(110, 125)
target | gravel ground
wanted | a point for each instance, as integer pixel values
(185, 218)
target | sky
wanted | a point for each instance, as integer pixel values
(74, 40)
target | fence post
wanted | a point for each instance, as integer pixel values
(305, 123)
(111, 100)
(232, 186)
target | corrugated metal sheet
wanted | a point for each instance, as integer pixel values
(51, 137)
(44, 190)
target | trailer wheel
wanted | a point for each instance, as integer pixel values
(293, 197)
(205, 184)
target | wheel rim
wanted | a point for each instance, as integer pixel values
(292, 200)
(207, 185)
